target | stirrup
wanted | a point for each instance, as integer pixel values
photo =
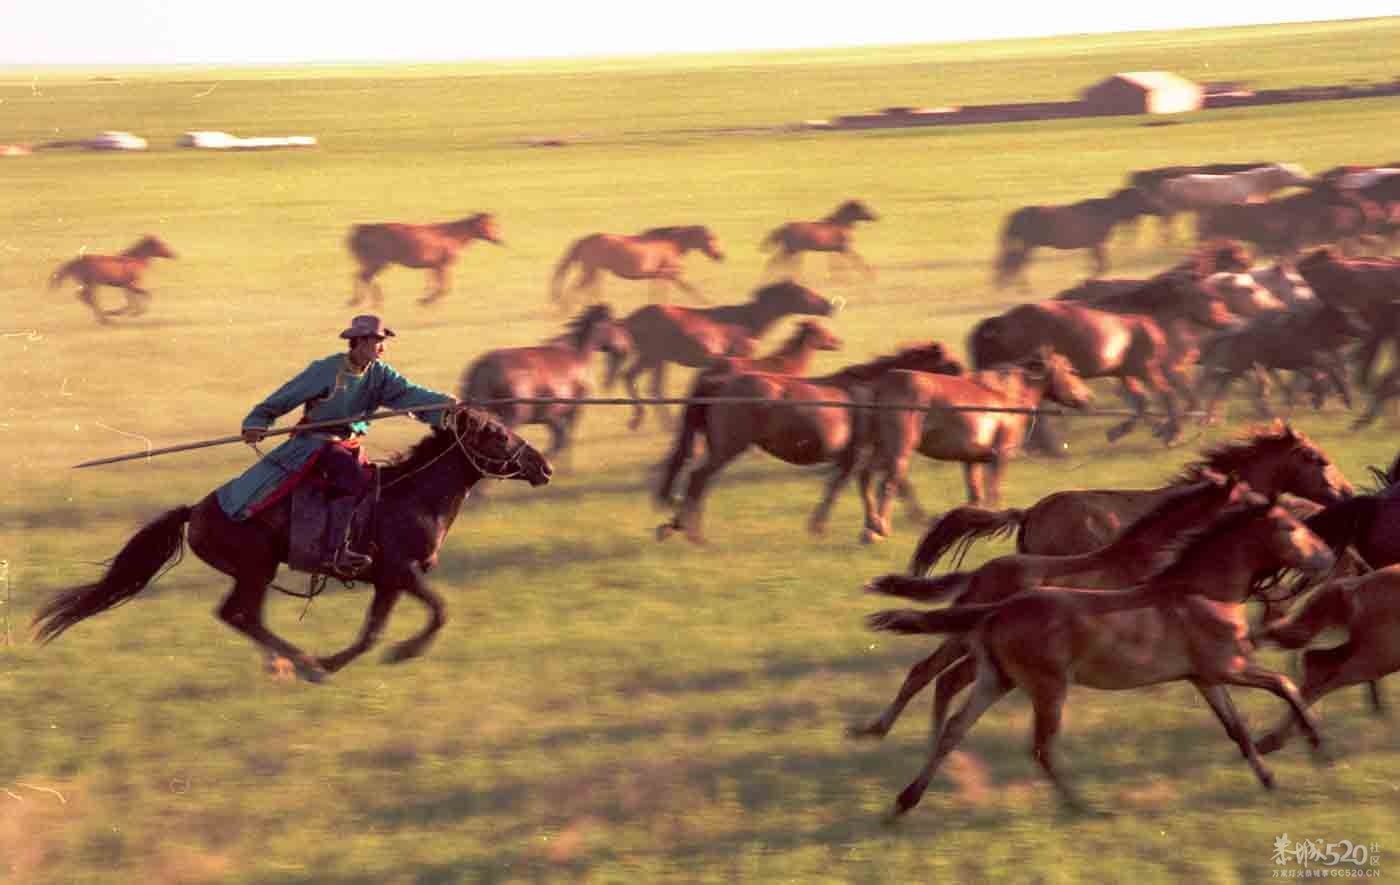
(347, 563)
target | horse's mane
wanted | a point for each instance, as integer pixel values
(913, 356)
(432, 446)
(669, 233)
(1231, 457)
(577, 329)
(1171, 556)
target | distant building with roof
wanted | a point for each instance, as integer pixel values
(1144, 92)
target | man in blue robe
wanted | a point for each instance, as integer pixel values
(343, 385)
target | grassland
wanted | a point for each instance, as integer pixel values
(600, 707)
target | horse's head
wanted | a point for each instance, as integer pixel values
(815, 336)
(494, 450)
(1299, 467)
(930, 357)
(852, 211)
(151, 247)
(702, 239)
(788, 297)
(1294, 544)
(483, 226)
(1061, 382)
(1201, 304)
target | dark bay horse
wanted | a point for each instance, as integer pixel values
(1284, 225)
(773, 415)
(421, 494)
(559, 368)
(832, 234)
(1125, 561)
(433, 247)
(695, 336)
(651, 255)
(123, 271)
(1368, 286)
(1273, 460)
(1130, 347)
(1086, 224)
(938, 425)
(1185, 622)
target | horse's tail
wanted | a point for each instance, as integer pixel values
(1015, 249)
(66, 269)
(957, 530)
(955, 619)
(131, 570)
(919, 588)
(556, 280)
(693, 421)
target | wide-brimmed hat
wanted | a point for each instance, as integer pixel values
(367, 325)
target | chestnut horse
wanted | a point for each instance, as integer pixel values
(1274, 460)
(1086, 224)
(695, 336)
(1123, 562)
(123, 271)
(1186, 621)
(935, 416)
(558, 368)
(773, 417)
(420, 496)
(792, 357)
(651, 255)
(430, 246)
(832, 234)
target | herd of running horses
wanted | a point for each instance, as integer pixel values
(1109, 588)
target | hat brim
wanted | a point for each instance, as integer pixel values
(383, 333)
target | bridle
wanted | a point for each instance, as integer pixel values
(507, 467)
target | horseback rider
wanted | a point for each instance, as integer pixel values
(342, 385)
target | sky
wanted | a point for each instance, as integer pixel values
(155, 32)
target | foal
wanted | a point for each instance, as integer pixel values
(122, 271)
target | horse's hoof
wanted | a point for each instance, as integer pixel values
(875, 730)
(665, 530)
(870, 536)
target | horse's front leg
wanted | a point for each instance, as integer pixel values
(385, 595)
(845, 466)
(629, 380)
(1224, 709)
(412, 647)
(88, 296)
(1136, 395)
(437, 284)
(242, 610)
(861, 263)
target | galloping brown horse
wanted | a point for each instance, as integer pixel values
(1185, 622)
(940, 424)
(1274, 460)
(123, 271)
(774, 417)
(1370, 287)
(832, 234)
(651, 255)
(1083, 225)
(421, 495)
(430, 246)
(1127, 560)
(792, 357)
(559, 368)
(695, 336)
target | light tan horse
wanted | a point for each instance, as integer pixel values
(1206, 191)
(433, 247)
(937, 423)
(123, 271)
(1274, 460)
(1186, 622)
(651, 255)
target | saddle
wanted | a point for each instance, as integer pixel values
(309, 544)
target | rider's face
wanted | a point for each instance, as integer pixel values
(366, 350)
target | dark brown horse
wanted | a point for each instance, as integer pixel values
(123, 271)
(792, 357)
(1124, 562)
(1368, 286)
(1185, 622)
(651, 255)
(938, 422)
(431, 246)
(1284, 225)
(1099, 344)
(694, 336)
(559, 368)
(421, 495)
(774, 416)
(1086, 224)
(1274, 460)
(832, 234)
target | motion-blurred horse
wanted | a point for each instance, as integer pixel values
(1185, 622)
(420, 496)
(832, 234)
(556, 369)
(431, 246)
(123, 271)
(1206, 191)
(774, 414)
(651, 255)
(792, 357)
(1086, 224)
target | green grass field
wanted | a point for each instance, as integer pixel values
(600, 707)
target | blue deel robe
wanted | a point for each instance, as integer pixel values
(331, 389)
